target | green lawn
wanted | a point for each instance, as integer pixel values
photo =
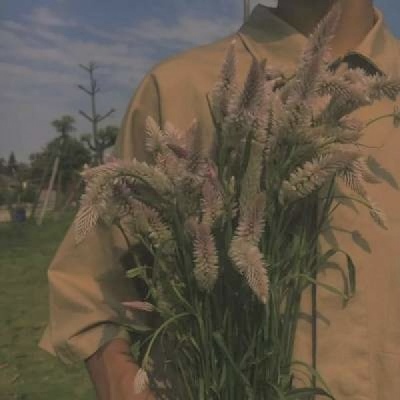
(26, 372)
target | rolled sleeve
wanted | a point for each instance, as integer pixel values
(85, 344)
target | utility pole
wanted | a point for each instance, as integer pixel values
(49, 189)
(93, 118)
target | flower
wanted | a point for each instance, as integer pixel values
(138, 306)
(141, 381)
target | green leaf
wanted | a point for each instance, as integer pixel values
(305, 393)
(221, 344)
(352, 274)
(188, 355)
(322, 260)
(325, 286)
(195, 345)
(223, 377)
(184, 379)
(248, 353)
(181, 298)
(159, 330)
(277, 390)
(138, 328)
(135, 350)
(135, 272)
(202, 395)
(313, 372)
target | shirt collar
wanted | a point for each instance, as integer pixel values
(267, 36)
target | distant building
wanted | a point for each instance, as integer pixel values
(8, 182)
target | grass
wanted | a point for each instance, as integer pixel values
(27, 372)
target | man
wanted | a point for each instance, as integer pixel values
(358, 350)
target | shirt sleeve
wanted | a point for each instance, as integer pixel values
(87, 282)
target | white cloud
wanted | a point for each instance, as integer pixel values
(39, 68)
(44, 16)
(188, 31)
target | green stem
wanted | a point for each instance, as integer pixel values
(372, 121)
(157, 333)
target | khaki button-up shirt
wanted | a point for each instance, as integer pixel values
(358, 347)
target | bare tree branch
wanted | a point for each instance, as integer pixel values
(85, 90)
(101, 117)
(85, 115)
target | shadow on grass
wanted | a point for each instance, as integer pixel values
(27, 372)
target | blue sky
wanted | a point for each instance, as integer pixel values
(42, 42)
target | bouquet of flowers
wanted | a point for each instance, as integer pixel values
(225, 243)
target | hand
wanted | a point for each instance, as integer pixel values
(112, 371)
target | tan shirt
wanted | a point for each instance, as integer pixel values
(358, 346)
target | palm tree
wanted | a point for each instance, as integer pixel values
(64, 125)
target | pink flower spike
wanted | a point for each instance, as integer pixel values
(138, 306)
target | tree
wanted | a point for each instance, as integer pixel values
(14, 188)
(74, 156)
(98, 143)
(12, 164)
(3, 167)
(106, 138)
(71, 159)
(65, 125)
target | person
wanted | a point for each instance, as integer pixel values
(358, 347)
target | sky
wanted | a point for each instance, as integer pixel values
(42, 42)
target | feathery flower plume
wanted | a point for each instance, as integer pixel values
(176, 140)
(205, 255)
(353, 181)
(153, 176)
(352, 124)
(171, 165)
(147, 220)
(192, 137)
(141, 381)
(98, 195)
(155, 137)
(312, 175)
(252, 219)
(250, 184)
(274, 126)
(253, 91)
(383, 87)
(248, 109)
(362, 169)
(339, 108)
(85, 220)
(347, 136)
(377, 214)
(211, 203)
(334, 86)
(138, 306)
(314, 58)
(248, 260)
(225, 86)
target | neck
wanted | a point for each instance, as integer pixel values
(356, 21)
